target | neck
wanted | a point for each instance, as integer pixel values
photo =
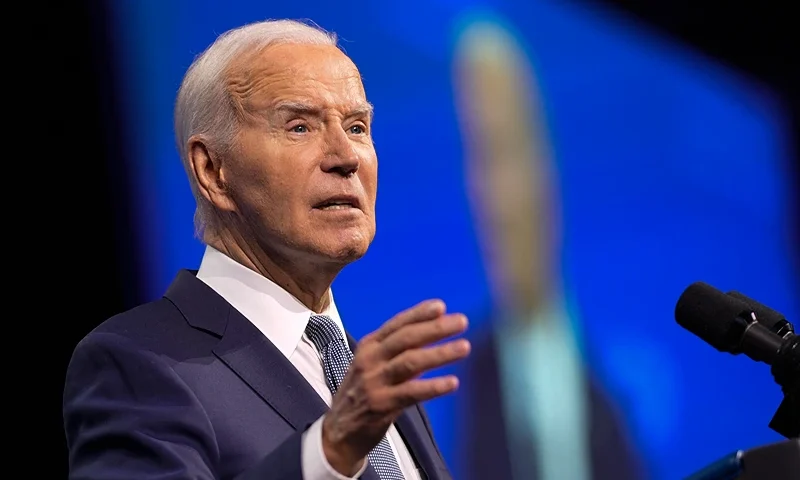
(306, 281)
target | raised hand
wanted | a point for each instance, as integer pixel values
(383, 379)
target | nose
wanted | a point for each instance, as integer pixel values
(341, 156)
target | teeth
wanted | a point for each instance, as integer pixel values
(337, 206)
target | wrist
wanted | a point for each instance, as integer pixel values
(339, 456)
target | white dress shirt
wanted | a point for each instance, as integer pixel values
(283, 319)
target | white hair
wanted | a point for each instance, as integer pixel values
(204, 106)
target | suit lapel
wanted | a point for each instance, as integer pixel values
(419, 442)
(262, 366)
(246, 351)
(267, 371)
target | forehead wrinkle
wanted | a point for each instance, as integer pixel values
(243, 86)
(303, 107)
(250, 76)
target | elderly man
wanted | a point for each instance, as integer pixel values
(243, 369)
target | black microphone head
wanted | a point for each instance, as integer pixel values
(766, 316)
(715, 317)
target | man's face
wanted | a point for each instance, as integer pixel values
(303, 170)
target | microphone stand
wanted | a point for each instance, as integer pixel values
(786, 371)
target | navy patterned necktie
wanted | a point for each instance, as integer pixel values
(336, 358)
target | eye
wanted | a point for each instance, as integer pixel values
(358, 130)
(299, 129)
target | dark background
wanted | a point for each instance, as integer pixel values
(98, 275)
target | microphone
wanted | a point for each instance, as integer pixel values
(727, 323)
(735, 323)
(766, 316)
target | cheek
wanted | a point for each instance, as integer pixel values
(251, 180)
(260, 195)
(368, 174)
(257, 176)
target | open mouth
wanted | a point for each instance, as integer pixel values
(338, 203)
(335, 206)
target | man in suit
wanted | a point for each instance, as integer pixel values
(542, 415)
(243, 369)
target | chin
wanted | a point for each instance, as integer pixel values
(349, 252)
(348, 256)
(348, 248)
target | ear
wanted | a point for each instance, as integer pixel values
(206, 166)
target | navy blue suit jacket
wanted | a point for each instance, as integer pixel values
(185, 387)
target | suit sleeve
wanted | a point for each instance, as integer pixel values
(127, 414)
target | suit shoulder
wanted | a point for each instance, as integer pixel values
(141, 319)
(157, 326)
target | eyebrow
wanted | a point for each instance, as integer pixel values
(300, 108)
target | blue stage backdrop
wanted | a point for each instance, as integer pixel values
(672, 169)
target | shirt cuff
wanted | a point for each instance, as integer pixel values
(313, 462)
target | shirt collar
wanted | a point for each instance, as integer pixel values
(280, 316)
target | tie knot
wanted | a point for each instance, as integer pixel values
(322, 330)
